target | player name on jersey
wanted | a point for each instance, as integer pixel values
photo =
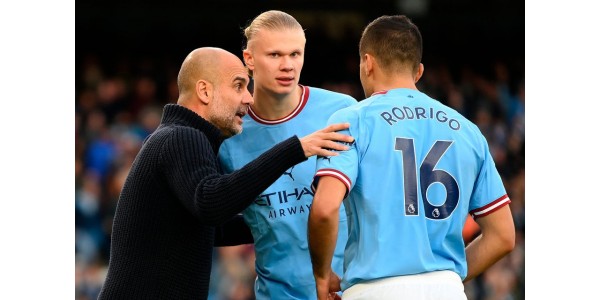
(418, 113)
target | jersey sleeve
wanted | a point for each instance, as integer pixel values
(344, 167)
(349, 100)
(192, 171)
(489, 192)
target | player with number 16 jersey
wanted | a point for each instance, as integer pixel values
(443, 170)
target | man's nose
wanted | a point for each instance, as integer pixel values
(248, 99)
(286, 63)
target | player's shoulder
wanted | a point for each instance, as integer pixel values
(360, 108)
(329, 95)
(452, 114)
(174, 138)
(176, 131)
(348, 113)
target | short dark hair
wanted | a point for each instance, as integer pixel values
(394, 41)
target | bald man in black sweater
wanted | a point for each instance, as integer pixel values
(176, 203)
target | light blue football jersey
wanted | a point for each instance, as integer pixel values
(278, 218)
(416, 170)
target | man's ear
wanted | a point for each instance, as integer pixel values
(248, 59)
(204, 91)
(369, 64)
(419, 72)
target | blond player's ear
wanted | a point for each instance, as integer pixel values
(248, 59)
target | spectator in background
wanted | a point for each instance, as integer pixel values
(406, 239)
(282, 107)
(175, 194)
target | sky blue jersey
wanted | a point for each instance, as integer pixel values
(415, 171)
(278, 218)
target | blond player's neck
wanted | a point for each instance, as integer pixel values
(271, 106)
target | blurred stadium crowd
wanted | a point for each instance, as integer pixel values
(119, 100)
(119, 103)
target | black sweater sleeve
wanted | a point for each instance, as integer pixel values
(233, 232)
(191, 168)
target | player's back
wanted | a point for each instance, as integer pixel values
(418, 162)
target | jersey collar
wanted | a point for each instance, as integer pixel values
(295, 112)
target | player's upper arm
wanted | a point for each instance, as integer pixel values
(489, 192)
(343, 167)
(500, 225)
(328, 196)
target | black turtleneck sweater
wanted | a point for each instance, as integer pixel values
(175, 205)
